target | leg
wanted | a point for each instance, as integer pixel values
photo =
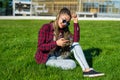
(79, 56)
(65, 64)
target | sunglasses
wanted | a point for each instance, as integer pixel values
(65, 22)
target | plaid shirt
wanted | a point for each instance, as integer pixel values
(46, 42)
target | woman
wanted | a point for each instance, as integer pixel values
(55, 44)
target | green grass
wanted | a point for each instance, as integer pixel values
(100, 41)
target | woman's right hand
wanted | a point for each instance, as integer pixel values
(74, 18)
(61, 42)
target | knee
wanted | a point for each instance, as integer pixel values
(75, 43)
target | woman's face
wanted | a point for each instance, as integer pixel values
(63, 20)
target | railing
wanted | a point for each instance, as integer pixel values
(86, 14)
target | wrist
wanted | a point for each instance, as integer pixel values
(75, 21)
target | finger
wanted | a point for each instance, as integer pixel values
(62, 39)
(66, 41)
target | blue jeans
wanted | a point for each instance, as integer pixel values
(69, 63)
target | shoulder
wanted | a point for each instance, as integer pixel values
(46, 27)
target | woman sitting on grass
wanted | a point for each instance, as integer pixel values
(55, 43)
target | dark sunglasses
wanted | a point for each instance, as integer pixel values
(65, 22)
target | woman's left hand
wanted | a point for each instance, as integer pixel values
(74, 18)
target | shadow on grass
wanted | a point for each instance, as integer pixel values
(90, 53)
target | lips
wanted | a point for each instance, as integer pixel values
(63, 25)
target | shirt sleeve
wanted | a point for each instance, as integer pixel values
(42, 45)
(76, 36)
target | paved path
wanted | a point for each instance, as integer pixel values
(49, 18)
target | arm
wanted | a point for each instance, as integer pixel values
(42, 45)
(76, 36)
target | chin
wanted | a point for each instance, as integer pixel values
(60, 26)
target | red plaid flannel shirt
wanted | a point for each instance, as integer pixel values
(46, 42)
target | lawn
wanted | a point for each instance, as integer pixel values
(100, 41)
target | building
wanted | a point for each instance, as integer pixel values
(53, 6)
(22, 7)
(5, 7)
(102, 8)
(109, 8)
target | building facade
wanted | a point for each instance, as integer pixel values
(51, 7)
(101, 6)
(5, 7)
